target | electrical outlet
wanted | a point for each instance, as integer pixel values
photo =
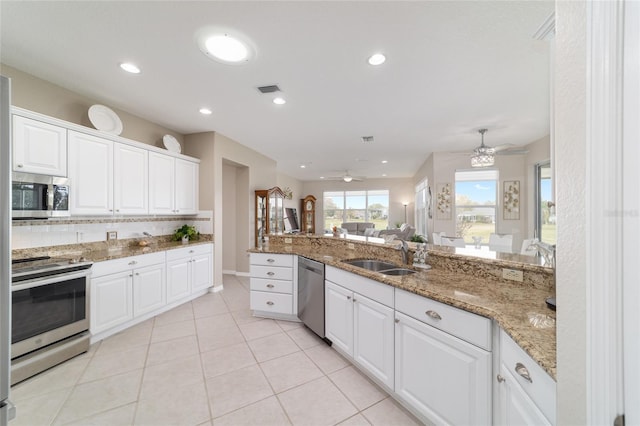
(512, 274)
(288, 240)
(351, 246)
(112, 235)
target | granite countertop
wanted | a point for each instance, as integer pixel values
(519, 309)
(120, 252)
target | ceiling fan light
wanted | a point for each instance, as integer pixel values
(347, 178)
(483, 156)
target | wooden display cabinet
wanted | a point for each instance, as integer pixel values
(308, 216)
(269, 218)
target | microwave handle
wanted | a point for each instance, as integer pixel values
(50, 189)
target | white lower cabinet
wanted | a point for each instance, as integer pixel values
(338, 319)
(149, 289)
(526, 393)
(274, 289)
(189, 270)
(111, 301)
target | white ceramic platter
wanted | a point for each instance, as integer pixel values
(105, 119)
(171, 144)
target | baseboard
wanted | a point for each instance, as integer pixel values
(216, 288)
(243, 274)
(228, 272)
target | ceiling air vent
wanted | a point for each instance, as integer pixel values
(269, 89)
(367, 139)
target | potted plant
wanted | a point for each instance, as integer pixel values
(186, 233)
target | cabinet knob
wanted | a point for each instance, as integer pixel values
(110, 210)
(117, 210)
(270, 303)
(190, 251)
(131, 275)
(348, 297)
(270, 285)
(522, 371)
(20, 165)
(499, 378)
(271, 260)
(433, 315)
(137, 273)
(397, 320)
(133, 262)
(271, 273)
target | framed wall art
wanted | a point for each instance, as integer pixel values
(511, 200)
(443, 201)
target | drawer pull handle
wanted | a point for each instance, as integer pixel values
(270, 285)
(433, 315)
(270, 303)
(271, 260)
(133, 262)
(522, 371)
(190, 251)
(271, 273)
(499, 378)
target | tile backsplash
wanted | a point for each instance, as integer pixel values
(88, 229)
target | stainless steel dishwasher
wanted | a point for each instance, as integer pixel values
(311, 294)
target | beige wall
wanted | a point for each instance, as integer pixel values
(571, 161)
(400, 190)
(41, 96)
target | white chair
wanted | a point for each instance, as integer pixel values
(452, 241)
(501, 243)
(525, 250)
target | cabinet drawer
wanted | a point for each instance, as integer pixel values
(268, 259)
(189, 251)
(465, 325)
(132, 262)
(542, 388)
(271, 272)
(271, 302)
(381, 293)
(272, 286)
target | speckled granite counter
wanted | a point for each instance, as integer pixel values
(519, 308)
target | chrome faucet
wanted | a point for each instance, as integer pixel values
(147, 234)
(547, 251)
(404, 248)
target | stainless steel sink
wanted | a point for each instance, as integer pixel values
(386, 268)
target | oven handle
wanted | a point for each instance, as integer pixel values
(37, 282)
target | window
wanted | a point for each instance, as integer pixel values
(423, 202)
(476, 195)
(356, 206)
(545, 208)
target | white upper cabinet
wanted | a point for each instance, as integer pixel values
(39, 147)
(131, 180)
(91, 174)
(173, 185)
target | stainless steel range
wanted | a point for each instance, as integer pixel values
(49, 313)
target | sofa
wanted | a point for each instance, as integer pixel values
(357, 228)
(405, 232)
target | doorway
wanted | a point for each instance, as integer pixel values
(235, 218)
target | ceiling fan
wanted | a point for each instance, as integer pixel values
(347, 177)
(483, 155)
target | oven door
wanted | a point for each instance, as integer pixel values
(46, 310)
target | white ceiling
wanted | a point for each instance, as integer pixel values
(452, 67)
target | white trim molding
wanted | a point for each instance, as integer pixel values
(604, 207)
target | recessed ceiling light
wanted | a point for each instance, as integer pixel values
(302, 166)
(205, 111)
(129, 67)
(384, 161)
(279, 101)
(225, 45)
(384, 174)
(377, 59)
(321, 177)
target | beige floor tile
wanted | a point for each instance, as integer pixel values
(120, 416)
(41, 409)
(360, 391)
(237, 389)
(211, 338)
(305, 338)
(61, 376)
(172, 349)
(289, 371)
(160, 380)
(137, 335)
(183, 312)
(316, 403)
(327, 358)
(227, 359)
(289, 325)
(173, 331)
(257, 329)
(208, 305)
(274, 346)
(214, 322)
(185, 405)
(244, 316)
(357, 420)
(101, 366)
(91, 398)
(389, 412)
(267, 412)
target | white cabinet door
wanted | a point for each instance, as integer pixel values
(39, 147)
(339, 317)
(91, 174)
(186, 184)
(373, 338)
(515, 406)
(161, 184)
(178, 279)
(149, 289)
(444, 378)
(201, 272)
(131, 179)
(111, 303)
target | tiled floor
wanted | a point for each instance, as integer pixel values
(207, 362)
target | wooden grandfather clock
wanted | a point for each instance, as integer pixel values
(308, 225)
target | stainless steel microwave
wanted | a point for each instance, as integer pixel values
(39, 196)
